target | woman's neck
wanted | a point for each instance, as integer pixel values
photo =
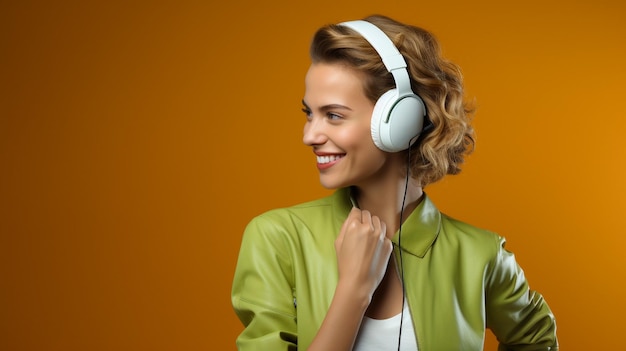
(386, 200)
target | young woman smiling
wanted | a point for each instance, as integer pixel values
(375, 266)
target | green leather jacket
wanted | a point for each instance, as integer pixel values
(459, 281)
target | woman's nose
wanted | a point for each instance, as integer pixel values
(314, 133)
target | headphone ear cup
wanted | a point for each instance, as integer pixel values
(379, 117)
(397, 121)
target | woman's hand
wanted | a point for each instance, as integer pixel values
(363, 251)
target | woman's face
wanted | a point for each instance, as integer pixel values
(338, 127)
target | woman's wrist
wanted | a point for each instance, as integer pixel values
(353, 295)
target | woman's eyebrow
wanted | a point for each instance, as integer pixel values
(329, 107)
(335, 107)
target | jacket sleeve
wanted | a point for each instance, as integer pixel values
(262, 291)
(519, 317)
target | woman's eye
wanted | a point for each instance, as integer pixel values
(307, 112)
(333, 116)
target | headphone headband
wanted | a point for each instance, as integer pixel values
(388, 52)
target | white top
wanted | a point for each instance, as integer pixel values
(382, 334)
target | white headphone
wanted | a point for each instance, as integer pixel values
(398, 116)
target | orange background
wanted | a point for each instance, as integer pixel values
(138, 139)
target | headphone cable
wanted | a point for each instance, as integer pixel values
(406, 185)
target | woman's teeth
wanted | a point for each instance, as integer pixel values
(327, 159)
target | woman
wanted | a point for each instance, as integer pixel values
(376, 266)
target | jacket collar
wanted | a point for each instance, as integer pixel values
(419, 230)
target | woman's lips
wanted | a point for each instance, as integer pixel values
(326, 161)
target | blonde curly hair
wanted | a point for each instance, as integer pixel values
(442, 146)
